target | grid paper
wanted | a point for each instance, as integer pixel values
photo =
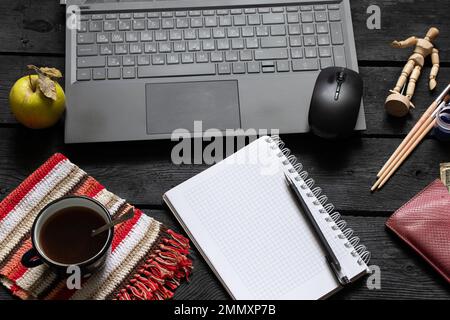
(276, 264)
(250, 228)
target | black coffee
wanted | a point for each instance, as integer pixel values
(66, 236)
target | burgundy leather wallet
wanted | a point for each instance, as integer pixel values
(424, 224)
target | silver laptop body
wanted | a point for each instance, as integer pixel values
(138, 70)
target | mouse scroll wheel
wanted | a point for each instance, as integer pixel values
(341, 77)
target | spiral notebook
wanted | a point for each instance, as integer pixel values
(248, 226)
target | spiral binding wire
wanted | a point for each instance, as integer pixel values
(333, 217)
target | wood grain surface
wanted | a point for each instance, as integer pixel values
(32, 32)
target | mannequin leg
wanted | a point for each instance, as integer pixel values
(404, 76)
(412, 81)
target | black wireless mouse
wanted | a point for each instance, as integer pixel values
(335, 103)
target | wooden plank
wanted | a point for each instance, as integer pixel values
(345, 170)
(399, 20)
(378, 81)
(32, 26)
(403, 274)
(38, 27)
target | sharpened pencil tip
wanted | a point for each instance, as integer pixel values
(375, 185)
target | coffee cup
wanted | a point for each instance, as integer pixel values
(62, 235)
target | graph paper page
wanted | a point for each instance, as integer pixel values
(246, 222)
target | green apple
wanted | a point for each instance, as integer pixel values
(31, 107)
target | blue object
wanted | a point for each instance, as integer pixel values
(442, 128)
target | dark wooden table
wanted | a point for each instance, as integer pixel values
(32, 32)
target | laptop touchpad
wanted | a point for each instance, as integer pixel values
(177, 105)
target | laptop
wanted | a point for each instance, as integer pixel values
(139, 70)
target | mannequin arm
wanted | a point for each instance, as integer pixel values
(410, 42)
(435, 68)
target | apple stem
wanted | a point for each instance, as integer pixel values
(33, 87)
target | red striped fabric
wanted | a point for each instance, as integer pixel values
(121, 231)
(90, 188)
(16, 270)
(17, 195)
(163, 244)
(61, 292)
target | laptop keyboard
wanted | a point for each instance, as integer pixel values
(210, 42)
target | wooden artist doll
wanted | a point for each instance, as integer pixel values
(398, 104)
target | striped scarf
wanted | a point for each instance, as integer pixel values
(147, 260)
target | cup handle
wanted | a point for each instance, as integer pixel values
(31, 259)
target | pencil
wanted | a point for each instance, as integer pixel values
(416, 138)
(418, 132)
(422, 119)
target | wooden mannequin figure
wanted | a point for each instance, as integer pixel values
(398, 104)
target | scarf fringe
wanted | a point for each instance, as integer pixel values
(162, 272)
